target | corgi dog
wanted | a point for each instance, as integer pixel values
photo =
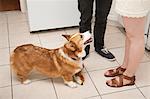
(65, 62)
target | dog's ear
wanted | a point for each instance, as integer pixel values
(66, 36)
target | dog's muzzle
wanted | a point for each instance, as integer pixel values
(82, 54)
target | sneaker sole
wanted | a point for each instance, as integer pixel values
(111, 60)
(114, 59)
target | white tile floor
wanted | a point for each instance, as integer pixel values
(14, 31)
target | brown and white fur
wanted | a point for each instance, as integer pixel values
(62, 62)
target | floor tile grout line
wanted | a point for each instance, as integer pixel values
(143, 86)
(92, 97)
(4, 65)
(4, 47)
(101, 69)
(18, 22)
(93, 83)
(39, 39)
(54, 89)
(9, 56)
(5, 86)
(119, 91)
(32, 81)
(141, 92)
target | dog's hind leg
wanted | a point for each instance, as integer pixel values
(68, 80)
(23, 75)
(23, 78)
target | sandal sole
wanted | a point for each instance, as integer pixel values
(120, 86)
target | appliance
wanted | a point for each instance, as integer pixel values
(147, 33)
(52, 14)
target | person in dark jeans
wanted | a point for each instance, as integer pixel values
(102, 10)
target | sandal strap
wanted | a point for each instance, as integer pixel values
(115, 82)
(121, 77)
(132, 79)
(117, 71)
(119, 83)
(120, 69)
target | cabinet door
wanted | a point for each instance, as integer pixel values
(52, 14)
(7, 5)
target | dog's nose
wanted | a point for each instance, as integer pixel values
(81, 54)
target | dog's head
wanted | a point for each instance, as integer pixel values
(75, 45)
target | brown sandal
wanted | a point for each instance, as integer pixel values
(115, 72)
(116, 83)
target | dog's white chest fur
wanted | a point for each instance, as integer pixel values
(80, 62)
(65, 55)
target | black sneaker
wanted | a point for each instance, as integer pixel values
(106, 54)
(87, 50)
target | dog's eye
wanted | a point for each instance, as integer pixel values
(81, 36)
(71, 45)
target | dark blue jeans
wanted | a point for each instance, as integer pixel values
(102, 10)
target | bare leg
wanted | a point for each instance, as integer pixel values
(135, 32)
(126, 56)
(134, 46)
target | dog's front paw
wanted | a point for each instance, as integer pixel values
(71, 84)
(27, 82)
(78, 80)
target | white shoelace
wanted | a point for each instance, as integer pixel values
(86, 35)
(105, 50)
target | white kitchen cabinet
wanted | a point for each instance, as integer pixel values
(52, 14)
(147, 33)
